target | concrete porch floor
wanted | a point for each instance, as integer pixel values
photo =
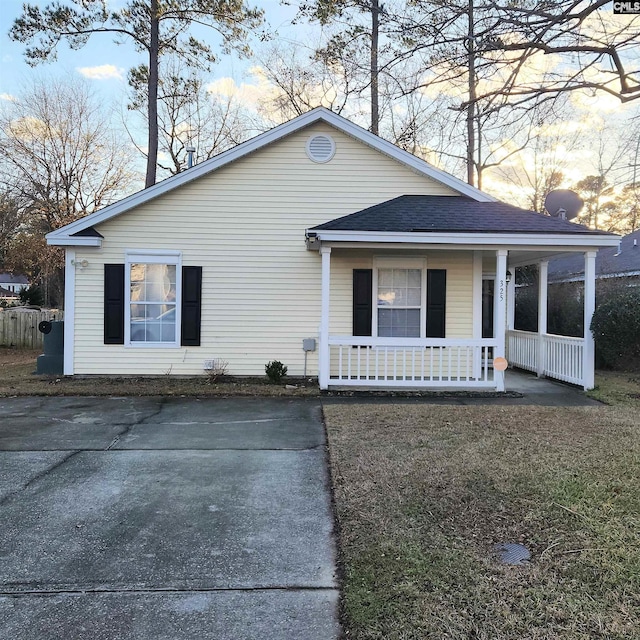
(545, 391)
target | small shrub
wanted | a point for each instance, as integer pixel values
(218, 371)
(275, 371)
(616, 329)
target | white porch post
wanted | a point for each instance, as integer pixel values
(588, 361)
(323, 354)
(543, 273)
(501, 313)
(477, 312)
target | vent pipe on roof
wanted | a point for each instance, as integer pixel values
(190, 152)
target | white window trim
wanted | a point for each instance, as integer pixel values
(152, 256)
(397, 262)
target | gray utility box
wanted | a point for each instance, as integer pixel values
(52, 360)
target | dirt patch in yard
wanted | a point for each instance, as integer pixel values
(17, 378)
(423, 493)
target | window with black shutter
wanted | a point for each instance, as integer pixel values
(362, 301)
(191, 306)
(436, 303)
(114, 301)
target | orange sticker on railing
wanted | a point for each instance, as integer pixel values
(500, 364)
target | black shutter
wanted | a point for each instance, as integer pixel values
(191, 306)
(114, 304)
(362, 302)
(436, 302)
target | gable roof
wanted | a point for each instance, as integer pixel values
(407, 214)
(71, 233)
(611, 262)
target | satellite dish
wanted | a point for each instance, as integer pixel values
(563, 203)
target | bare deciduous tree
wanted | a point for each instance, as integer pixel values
(188, 114)
(60, 160)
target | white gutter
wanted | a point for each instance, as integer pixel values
(560, 240)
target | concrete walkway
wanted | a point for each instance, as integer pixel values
(165, 519)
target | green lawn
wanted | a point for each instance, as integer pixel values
(424, 492)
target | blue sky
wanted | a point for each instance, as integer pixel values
(101, 51)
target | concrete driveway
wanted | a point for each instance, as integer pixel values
(165, 518)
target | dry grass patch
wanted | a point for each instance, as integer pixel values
(617, 388)
(423, 493)
(17, 378)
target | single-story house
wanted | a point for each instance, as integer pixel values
(620, 263)
(320, 245)
(13, 282)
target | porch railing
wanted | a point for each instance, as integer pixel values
(559, 357)
(410, 362)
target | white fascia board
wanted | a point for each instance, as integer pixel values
(559, 241)
(317, 115)
(70, 241)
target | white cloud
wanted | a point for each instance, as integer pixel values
(102, 72)
(8, 97)
(246, 94)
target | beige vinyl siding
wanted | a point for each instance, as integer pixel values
(244, 224)
(459, 303)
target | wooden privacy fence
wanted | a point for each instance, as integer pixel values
(19, 329)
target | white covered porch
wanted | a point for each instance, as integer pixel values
(455, 258)
(566, 358)
(462, 362)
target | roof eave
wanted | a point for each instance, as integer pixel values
(467, 238)
(60, 240)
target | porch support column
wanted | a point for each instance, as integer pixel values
(588, 358)
(477, 312)
(543, 271)
(323, 354)
(501, 313)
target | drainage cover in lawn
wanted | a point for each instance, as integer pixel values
(512, 553)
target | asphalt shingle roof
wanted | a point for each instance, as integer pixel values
(9, 278)
(609, 261)
(457, 214)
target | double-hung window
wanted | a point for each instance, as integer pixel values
(399, 302)
(399, 298)
(153, 291)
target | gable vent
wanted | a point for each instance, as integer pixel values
(321, 148)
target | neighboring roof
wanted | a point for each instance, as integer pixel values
(610, 262)
(8, 278)
(70, 234)
(407, 214)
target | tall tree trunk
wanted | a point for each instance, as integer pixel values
(471, 109)
(375, 33)
(152, 107)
